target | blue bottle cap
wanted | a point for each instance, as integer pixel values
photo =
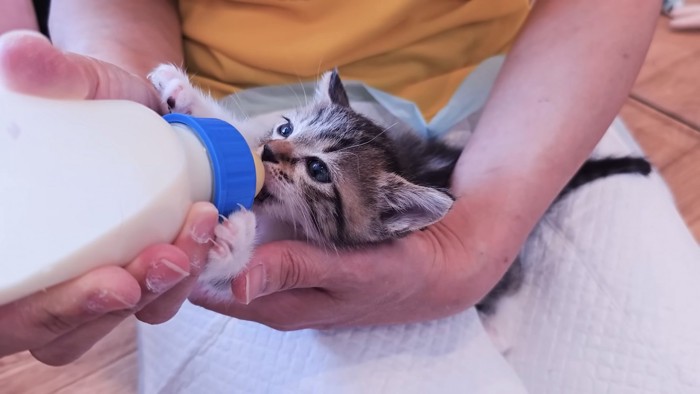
(232, 163)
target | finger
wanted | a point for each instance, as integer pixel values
(30, 64)
(70, 347)
(285, 311)
(195, 241)
(280, 266)
(42, 317)
(165, 274)
(157, 269)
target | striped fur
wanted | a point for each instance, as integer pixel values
(374, 193)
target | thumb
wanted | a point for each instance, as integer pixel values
(280, 266)
(30, 64)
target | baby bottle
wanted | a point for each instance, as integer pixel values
(91, 183)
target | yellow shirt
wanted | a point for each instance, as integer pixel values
(416, 49)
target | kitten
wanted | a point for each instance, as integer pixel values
(345, 181)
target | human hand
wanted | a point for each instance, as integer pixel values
(30, 64)
(429, 274)
(61, 323)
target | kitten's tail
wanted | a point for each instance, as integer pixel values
(601, 168)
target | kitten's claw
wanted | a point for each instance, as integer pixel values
(177, 94)
(233, 233)
(235, 240)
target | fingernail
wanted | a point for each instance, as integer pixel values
(19, 35)
(105, 301)
(202, 231)
(255, 282)
(163, 275)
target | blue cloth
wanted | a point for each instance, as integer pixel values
(669, 5)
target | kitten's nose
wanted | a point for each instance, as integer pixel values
(268, 155)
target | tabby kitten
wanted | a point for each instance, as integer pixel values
(343, 180)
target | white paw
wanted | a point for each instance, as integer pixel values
(233, 247)
(177, 94)
(503, 325)
(500, 338)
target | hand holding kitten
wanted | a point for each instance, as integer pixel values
(429, 274)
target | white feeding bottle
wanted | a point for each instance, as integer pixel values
(91, 183)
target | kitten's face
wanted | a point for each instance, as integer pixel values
(332, 173)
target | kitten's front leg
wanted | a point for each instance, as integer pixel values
(233, 247)
(235, 236)
(179, 96)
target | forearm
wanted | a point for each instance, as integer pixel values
(136, 35)
(17, 14)
(560, 88)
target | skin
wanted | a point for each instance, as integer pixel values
(17, 14)
(59, 324)
(511, 170)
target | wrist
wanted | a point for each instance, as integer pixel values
(483, 239)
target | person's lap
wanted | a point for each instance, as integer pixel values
(598, 252)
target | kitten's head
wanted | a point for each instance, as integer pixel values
(334, 174)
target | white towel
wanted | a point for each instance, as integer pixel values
(612, 303)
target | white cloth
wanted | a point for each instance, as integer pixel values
(200, 352)
(611, 294)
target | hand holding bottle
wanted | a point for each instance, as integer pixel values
(60, 324)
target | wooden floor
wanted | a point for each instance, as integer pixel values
(663, 112)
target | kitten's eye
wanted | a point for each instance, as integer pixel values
(318, 170)
(285, 129)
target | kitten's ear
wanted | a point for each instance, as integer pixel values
(330, 89)
(408, 207)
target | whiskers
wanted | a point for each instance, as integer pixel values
(237, 103)
(303, 89)
(291, 88)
